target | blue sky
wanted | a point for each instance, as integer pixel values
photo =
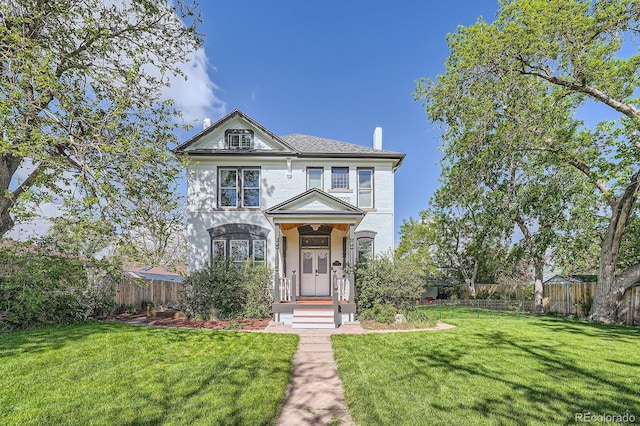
(337, 69)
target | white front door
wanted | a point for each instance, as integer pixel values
(315, 272)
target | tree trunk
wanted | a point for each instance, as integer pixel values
(609, 290)
(471, 282)
(538, 268)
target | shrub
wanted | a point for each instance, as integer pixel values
(385, 314)
(381, 281)
(259, 292)
(39, 288)
(224, 290)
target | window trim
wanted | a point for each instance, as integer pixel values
(239, 232)
(369, 190)
(364, 236)
(334, 174)
(239, 187)
(321, 169)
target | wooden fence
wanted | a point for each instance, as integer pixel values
(576, 299)
(130, 292)
(569, 298)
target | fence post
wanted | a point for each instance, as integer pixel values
(440, 308)
(478, 307)
(519, 305)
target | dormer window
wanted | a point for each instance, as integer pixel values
(239, 139)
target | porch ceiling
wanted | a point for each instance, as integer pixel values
(339, 226)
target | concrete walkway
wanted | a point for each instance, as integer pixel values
(315, 395)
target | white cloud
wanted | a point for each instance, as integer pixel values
(196, 96)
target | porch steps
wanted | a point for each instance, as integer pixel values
(313, 318)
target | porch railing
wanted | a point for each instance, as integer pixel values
(343, 287)
(287, 289)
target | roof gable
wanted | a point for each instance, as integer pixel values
(314, 202)
(212, 139)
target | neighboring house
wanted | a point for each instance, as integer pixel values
(308, 207)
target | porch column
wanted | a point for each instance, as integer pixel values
(276, 279)
(352, 263)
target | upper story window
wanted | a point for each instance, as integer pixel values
(239, 138)
(314, 177)
(365, 188)
(239, 187)
(339, 178)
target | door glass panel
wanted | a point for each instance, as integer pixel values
(323, 261)
(307, 262)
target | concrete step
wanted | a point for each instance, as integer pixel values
(315, 325)
(313, 318)
(313, 312)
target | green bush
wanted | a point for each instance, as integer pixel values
(381, 281)
(385, 314)
(225, 290)
(38, 288)
(258, 282)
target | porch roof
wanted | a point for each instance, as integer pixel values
(314, 206)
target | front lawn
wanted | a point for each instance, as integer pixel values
(497, 369)
(105, 374)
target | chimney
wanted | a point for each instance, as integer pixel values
(206, 123)
(377, 138)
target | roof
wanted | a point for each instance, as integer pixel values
(291, 145)
(584, 278)
(159, 273)
(328, 205)
(306, 144)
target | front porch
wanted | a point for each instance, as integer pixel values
(314, 312)
(314, 254)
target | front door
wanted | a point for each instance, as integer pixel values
(315, 272)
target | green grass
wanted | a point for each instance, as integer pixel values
(106, 374)
(497, 369)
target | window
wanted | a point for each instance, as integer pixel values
(365, 249)
(239, 188)
(228, 188)
(219, 249)
(251, 188)
(339, 178)
(314, 177)
(365, 188)
(239, 242)
(259, 251)
(239, 138)
(239, 251)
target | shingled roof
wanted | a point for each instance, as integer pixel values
(306, 144)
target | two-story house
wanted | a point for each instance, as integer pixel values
(306, 206)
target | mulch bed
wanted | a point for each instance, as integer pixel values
(238, 325)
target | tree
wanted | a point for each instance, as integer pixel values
(416, 239)
(576, 53)
(81, 109)
(154, 234)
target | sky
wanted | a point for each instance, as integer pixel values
(334, 69)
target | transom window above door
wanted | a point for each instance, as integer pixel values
(314, 241)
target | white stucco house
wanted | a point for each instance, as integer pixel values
(304, 205)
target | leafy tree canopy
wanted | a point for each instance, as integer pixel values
(81, 109)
